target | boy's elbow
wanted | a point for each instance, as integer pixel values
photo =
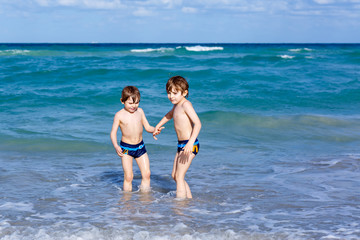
(112, 135)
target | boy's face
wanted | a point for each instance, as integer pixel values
(175, 96)
(130, 105)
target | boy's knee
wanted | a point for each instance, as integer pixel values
(128, 177)
(147, 175)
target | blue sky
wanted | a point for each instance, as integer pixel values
(180, 21)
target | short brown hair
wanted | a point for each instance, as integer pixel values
(130, 91)
(179, 83)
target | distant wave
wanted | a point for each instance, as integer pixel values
(286, 56)
(199, 48)
(35, 143)
(300, 49)
(152, 50)
(14, 52)
(290, 121)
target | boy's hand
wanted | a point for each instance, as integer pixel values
(157, 131)
(183, 157)
(185, 153)
(119, 151)
(188, 149)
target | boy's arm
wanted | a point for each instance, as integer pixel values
(190, 112)
(113, 134)
(145, 122)
(164, 120)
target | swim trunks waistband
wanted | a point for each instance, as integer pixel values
(132, 147)
(135, 151)
(182, 143)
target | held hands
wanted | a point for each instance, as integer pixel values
(157, 131)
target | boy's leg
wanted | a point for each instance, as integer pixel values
(174, 167)
(128, 172)
(188, 192)
(182, 188)
(144, 166)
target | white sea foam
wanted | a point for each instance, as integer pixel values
(91, 232)
(235, 211)
(199, 48)
(60, 190)
(300, 49)
(14, 52)
(286, 56)
(179, 227)
(329, 163)
(19, 206)
(353, 155)
(46, 215)
(147, 215)
(146, 50)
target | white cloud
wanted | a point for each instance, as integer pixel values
(103, 4)
(68, 2)
(43, 3)
(324, 1)
(189, 10)
(163, 7)
(91, 4)
(172, 3)
(142, 12)
(157, 3)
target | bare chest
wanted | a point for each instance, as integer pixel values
(131, 121)
(179, 115)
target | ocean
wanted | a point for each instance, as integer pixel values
(279, 155)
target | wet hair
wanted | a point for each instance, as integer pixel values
(130, 92)
(179, 83)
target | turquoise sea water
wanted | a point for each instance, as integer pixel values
(279, 156)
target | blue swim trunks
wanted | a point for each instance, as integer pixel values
(133, 150)
(181, 145)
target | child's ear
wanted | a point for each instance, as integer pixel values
(185, 93)
(121, 101)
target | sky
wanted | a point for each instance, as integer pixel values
(180, 21)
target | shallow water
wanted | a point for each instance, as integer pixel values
(279, 156)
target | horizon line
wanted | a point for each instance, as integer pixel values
(74, 43)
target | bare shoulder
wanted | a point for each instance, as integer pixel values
(119, 113)
(187, 105)
(140, 110)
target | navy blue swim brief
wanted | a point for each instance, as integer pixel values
(181, 145)
(133, 150)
